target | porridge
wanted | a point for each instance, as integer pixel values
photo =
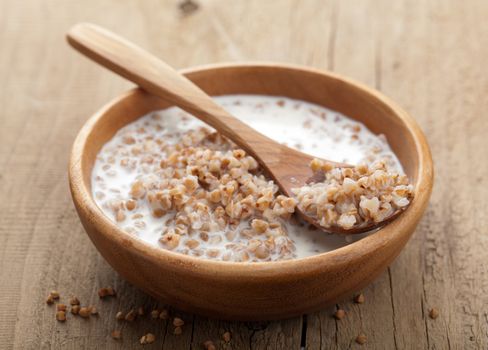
(172, 181)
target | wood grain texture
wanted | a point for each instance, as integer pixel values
(428, 55)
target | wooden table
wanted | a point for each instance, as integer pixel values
(430, 56)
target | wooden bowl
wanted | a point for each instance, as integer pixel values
(268, 290)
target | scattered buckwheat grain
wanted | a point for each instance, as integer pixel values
(102, 293)
(140, 311)
(188, 7)
(178, 322)
(155, 313)
(149, 338)
(106, 292)
(130, 316)
(75, 309)
(340, 314)
(53, 295)
(119, 316)
(226, 337)
(61, 316)
(433, 313)
(84, 312)
(164, 315)
(359, 299)
(361, 339)
(74, 301)
(61, 307)
(116, 334)
(209, 345)
(178, 331)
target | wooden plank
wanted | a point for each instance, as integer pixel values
(354, 53)
(428, 57)
(446, 254)
(411, 38)
(399, 51)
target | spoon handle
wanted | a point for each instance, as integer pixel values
(155, 76)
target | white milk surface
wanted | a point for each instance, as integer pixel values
(308, 127)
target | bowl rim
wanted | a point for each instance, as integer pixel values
(394, 231)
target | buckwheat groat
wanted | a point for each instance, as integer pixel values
(175, 183)
(354, 197)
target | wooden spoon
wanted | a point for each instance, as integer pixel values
(289, 168)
